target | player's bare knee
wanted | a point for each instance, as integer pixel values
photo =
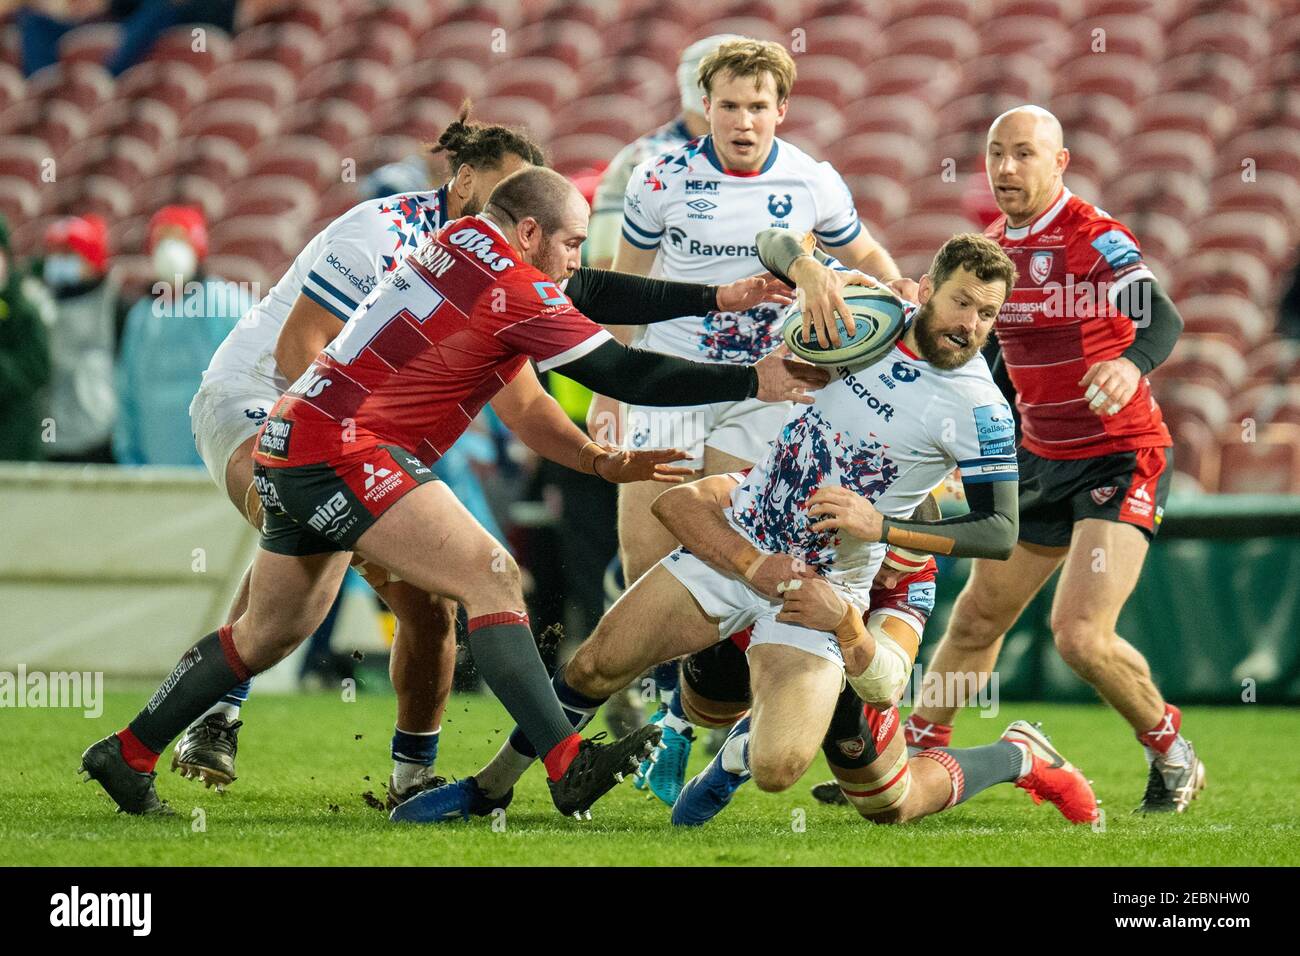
(1081, 644)
(774, 772)
(977, 620)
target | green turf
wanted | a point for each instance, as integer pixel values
(303, 762)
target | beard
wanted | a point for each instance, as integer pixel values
(549, 264)
(936, 349)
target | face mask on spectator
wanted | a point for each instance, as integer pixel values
(63, 269)
(174, 257)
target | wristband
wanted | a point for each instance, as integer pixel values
(850, 632)
(587, 459)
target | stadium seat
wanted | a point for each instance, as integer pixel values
(307, 158)
(1196, 451)
(337, 122)
(282, 196)
(819, 123)
(1014, 75)
(570, 42)
(547, 82)
(466, 40)
(643, 79)
(371, 39)
(516, 111)
(449, 80)
(214, 47)
(1180, 195)
(1171, 151)
(848, 37)
(122, 157)
(1227, 314)
(1126, 78)
(1137, 35)
(319, 16)
(337, 200)
(891, 114)
(212, 158)
(923, 234)
(569, 154)
(1040, 38)
(11, 49)
(1278, 361)
(96, 194)
(1220, 74)
(262, 80)
(86, 85)
(1220, 271)
(951, 38)
(1063, 10)
(267, 240)
(245, 123)
(1258, 232)
(149, 121)
(371, 152)
(24, 157)
(20, 199)
(745, 27)
(890, 155)
(661, 39)
(927, 78)
(877, 198)
(91, 42)
(1107, 116)
(239, 269)
(830, 78)
(1163, 237)
(1239, 36)
(1209, 357)
(968, 10)
(296, 47)
(1182, 399)
(1268, 403)
(1268, 465)
(1093, 156)
(178, 86)
(1193, 112)
(612, 115)
(1267, 192)
(1273, 150)
(975, 112)
(423, 118)
(180, 189)
(12, 86)
(365, 83)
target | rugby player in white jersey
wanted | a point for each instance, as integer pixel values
(283, 333)
(692, 214)
(791, 549)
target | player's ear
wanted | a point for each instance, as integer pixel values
(1062, 160)
(925, 289)
(780, 110)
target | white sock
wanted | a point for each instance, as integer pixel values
(1026, 759)
(734, 755)
(503, 771)
(666, 698)
(231, 711)
(1178, 754)
(676, 723)
(407, 775)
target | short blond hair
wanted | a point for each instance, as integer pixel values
(750, 58)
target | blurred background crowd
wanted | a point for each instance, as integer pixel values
(201, 144)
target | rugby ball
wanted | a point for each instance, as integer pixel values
(878, 321)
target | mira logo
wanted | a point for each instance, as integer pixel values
(330, 514)
(73, 909)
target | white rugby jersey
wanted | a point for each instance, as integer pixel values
(337, 269)
(889, 431)
(703, 221)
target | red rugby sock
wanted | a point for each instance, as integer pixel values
(136, 754)
(1162, 736)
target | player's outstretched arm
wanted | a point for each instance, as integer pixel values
(639, 377)
(541, 423)
(307, 329)
(620, 298)
(694, 515)
(989, 531)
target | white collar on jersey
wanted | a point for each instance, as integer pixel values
(1042, 222)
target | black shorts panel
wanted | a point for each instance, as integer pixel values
(718, 673)
(1129, 487)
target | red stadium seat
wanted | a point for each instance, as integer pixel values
(1196, 451)
(100, 195)
(1223, 272)
(1192, 112)
(1268, 465)
(421, 119)
(371, 152)
(968, 10)
(296, 47)
(245, 123)
(1278, 360)
(1206, 357)
(569, 154)
(975, 112)
(122, 157)
(1266, 404)
(337, 200)
(91, 42)
(926, 78)
(1015, 75)
(745, 27)
(1222, 75)
(449, 80)
(849, 37)
(1126, 78)
(1269, 150)
(183, 189)
(213, 158)
(639, 77)
(20, 199)
(1263, 234)
(661, 39)
(319, 16)
(11, 47)
(57, 123)
(1138, 35)
(892, 114)
(262, 80)
(374, 39)
(923, 234)
(1107, 116)
(337, 122)
(239, 269)
(1038, 37)
(1092, 155)
(86, 85)
(364, 83)
(951, 38)
(891, 155)
(203, 46)
(830, 78)
(1237, 318)
(1170, 151)
(1180, 195)
(816, 121)
(25, 158)
(307, 158)
(617, 116)
(268, 240)
(1182, 400)
(1063, 10)
(877, 198)
(12, 86)
(568, 41)
(1242, 37)
(149, 121)
(1277, 108)
(516, 111)
(282, 196)
(178, 86)
(549, 83)
(474, 41)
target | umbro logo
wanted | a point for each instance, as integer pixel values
(701, 205)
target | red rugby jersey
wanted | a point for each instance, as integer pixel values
(427, 349)
(1060, 320)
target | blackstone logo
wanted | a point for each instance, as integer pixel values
(82, 690)
(74, 909)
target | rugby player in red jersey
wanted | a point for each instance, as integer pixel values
(343, 465)
(1084, 325)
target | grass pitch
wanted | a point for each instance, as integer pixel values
(305, 761)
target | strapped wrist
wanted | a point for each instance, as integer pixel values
(850, 632)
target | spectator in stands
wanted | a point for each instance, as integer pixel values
(88, 310)
(42, 25)
(169, 340)
(24, 362)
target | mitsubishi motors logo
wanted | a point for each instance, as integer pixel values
(373, 473)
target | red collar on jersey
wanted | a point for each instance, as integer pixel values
(711, 154)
